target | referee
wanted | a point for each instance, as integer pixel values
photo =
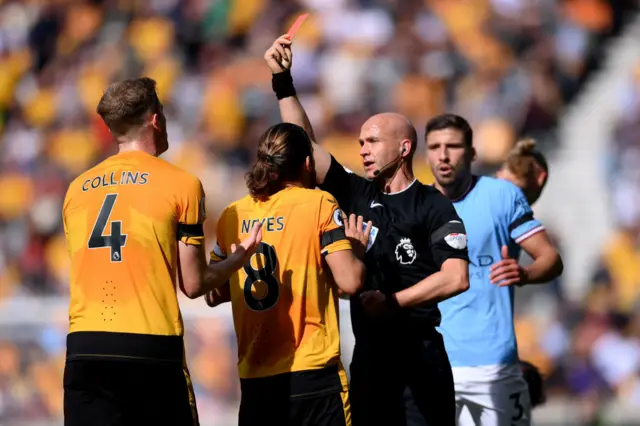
(416, 256)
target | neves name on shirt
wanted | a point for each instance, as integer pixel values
(270, 224)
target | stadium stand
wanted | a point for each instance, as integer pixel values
(510, 66)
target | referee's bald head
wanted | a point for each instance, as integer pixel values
(397, 126)
(387, 143)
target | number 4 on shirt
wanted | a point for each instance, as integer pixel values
(116, 240)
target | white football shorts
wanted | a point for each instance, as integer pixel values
(494, 395)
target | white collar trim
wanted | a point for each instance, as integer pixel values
(401, 191)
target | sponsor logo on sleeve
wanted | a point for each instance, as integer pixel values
(456, 241)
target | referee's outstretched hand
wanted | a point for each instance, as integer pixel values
(507, 271)
(279, 56)
(357, 233)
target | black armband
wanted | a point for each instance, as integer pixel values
(282, 84)
(190, 231)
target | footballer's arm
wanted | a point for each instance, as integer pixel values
(451, 280)
(196, 278)
(547, 263)
(347, 270)
(279, 59)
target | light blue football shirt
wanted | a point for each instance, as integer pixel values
(477, 325)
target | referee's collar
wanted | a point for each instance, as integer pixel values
(402, 190)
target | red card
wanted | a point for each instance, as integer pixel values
(296, 25)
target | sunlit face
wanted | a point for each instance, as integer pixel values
(531, 187)
(506, 174)
(377, 148)
(447, 155)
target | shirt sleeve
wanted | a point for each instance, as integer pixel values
(343, 184)
(65, 204)
(522, 224)
(191, 213)
(219, 253)
(332, 236)
(448, 236)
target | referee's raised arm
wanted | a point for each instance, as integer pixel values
(279, 58)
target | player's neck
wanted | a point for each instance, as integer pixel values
(399, 181)
(136, 145)
(457, 189)
(292, 185)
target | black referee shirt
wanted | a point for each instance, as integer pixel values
(407, 244)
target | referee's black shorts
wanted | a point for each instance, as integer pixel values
(127, 393)
(301, 398)
(402, 383)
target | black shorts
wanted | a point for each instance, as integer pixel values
(303, 398)
(127, 393)
(409, 384)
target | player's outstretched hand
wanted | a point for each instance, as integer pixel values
(507, 271)
(279, 56)
(357, 233)
(251, 243)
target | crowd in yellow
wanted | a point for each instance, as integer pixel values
(510, 67)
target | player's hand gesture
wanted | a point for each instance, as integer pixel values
(218, 296)
(357, 233)
(248, 247)
(507, 271)
(279, 56)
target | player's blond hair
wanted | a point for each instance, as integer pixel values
(523, 158)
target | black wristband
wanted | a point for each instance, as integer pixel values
(282, 84)
(392, 302)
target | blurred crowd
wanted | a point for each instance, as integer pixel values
(509, 66)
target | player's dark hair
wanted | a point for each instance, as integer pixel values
(535, 382)
(282, 152)
(126, 104)
(451, 121)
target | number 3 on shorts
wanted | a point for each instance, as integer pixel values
(518, 408)
(261, 287)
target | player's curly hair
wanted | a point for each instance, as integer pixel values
(282, 152)
(535, 382)
(523, 158)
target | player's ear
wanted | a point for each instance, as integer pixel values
(473, 153)
(541, 179)
(307, 164)
(155, 121)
